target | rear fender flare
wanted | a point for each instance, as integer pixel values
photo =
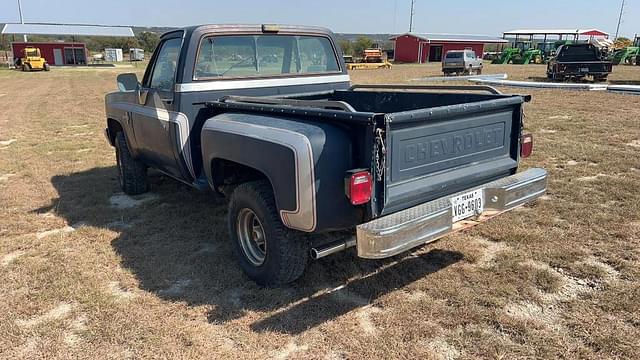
(284, 156)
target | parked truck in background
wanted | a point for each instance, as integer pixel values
(461, 62)
(577, 61)
(266, 116)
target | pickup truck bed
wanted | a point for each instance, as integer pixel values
(420, 145)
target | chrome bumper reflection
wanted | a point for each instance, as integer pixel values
(401, 231)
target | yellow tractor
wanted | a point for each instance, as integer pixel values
(372, 59)
(32, 60)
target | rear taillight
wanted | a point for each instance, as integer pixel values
(526, 145)
(358, 187)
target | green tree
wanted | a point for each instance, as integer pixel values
(148, 40)
(346, 46)
(361, 44)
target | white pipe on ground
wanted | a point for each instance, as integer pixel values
(541, 85)
(460, 78)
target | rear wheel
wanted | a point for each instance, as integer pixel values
(46, 67)
(268, 252)
(132, 174)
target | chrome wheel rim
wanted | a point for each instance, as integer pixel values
(251, 236)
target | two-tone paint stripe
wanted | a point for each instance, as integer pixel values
(303, 217)
(178, 118)
(218, 85)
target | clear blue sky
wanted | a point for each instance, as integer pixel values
(361, 16)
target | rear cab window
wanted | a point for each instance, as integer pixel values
(455, 55)
(578, 53)
(264, 55)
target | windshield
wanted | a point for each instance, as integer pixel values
(264, 55)
(455, 55)
(577, 53)
(33, 53)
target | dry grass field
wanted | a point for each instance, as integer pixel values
(86, 272)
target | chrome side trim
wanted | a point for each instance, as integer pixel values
(260, 83)
(393, 234)
(175, 117)
(303, 217)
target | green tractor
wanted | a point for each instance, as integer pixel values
(522, 53)
(529, 56)
(628, 55)
(506, 57)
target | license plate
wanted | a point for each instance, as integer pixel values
(584, 69)
(467, 205)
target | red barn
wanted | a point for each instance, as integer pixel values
(56, 53)
(422, 48)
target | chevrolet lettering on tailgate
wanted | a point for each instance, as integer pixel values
(454, 144)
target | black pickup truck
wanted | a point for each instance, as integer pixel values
(577, 61)
(266, 115)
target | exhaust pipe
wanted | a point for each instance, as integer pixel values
(332, 248)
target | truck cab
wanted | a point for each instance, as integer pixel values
(266, 116)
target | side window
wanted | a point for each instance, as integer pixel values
(164, 69)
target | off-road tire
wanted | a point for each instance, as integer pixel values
(26, 67)
(479, 71)
(46, 67)
(132, 174)
(287, 252)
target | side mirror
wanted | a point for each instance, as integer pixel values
(128, 82)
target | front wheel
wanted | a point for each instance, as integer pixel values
(132, 173)
(268, 252)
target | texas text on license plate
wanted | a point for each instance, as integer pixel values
(467, 205)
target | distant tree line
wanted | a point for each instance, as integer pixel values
(146, 40)
(356, 48)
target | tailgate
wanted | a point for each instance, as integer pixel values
(439, 151)
(587, 67)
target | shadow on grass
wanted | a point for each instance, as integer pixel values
(175, 243)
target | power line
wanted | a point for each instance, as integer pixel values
(413, 12)
(620, 18)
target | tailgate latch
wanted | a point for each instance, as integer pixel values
(381, 152)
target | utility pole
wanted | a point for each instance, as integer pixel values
(21, 19)
(620, 19)
(413, 12)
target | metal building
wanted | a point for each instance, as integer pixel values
(61, 53)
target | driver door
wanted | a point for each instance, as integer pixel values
(159, 129)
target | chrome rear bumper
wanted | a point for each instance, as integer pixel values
(401, 231)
